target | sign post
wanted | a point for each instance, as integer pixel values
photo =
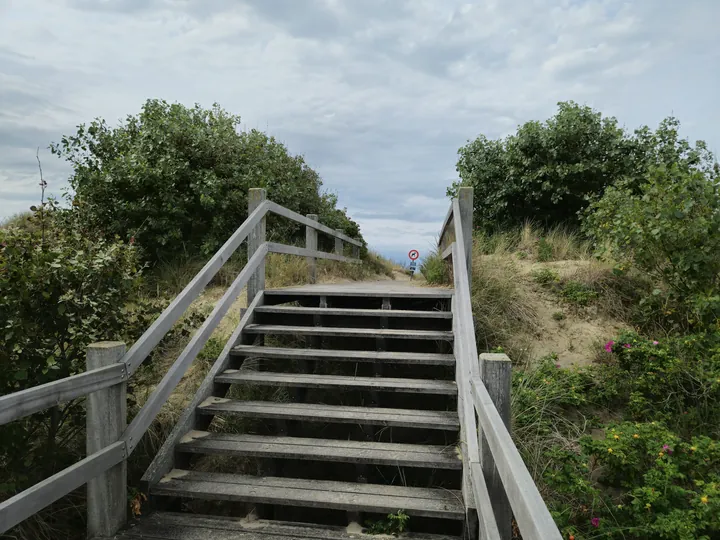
(413, 254)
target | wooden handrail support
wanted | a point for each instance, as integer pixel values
(109, 442)
(496, 482)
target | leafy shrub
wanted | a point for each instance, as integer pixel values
(670, 229)
(435, 269)
(545, 276)
(177, 179)
(61, 288)
(578, 293)
(394, 524)
(558, 315)
(545, 251)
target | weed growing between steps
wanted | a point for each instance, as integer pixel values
(394, 524)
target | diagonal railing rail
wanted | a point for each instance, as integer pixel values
(111, 492)
(496, 482)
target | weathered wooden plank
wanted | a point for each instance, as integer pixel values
(350, 312)
(315, 412)
(172, 526)
(376, 453)
(496, 374)
(427, 359)
(531, 513)
(170, 315)
(338, 243)
(164, 459)
(162, 391)
(446, 223)
(106, 419)
(388, 289)
(32, 400)
(305, 252)
(464, 223)
(282, 211)
(256, 238)
(484, 504)
(435, 503)
(439, 335)
(310, 380)
(32, 500)
(311, 244)
(448, 251)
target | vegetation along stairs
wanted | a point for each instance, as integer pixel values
(333, 411)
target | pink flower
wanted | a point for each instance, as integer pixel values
(609, 346)
(656, 343)
(627, 346)
(557, 365)
(667, 449)
(595, 521)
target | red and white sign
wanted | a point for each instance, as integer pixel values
(414, 254)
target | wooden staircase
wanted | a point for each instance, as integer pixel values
(332, 409)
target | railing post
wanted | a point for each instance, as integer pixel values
(311, 238)
(106, 421)
(465, 201)
(338, 243)
(496, 373)
(255, 239)
(355, 251)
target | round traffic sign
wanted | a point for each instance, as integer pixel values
(414, 254)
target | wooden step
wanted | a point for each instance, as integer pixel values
(347, 312)
(425, 359)
(176, 526)
(375, 453)
(360, 291)
(434, 503)
(305, 380)
(276, 329)
(316, 412)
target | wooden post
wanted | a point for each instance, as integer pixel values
(355, 251)
(106, 421)
(311, 242)
(495, 372)
(465, 200)
(338, 244)
(255, 239)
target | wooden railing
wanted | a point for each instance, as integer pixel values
(496, 482)
(109, 440)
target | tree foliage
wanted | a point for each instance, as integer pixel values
(549, 171)
(176, 178)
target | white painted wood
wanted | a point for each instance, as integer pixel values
(165, 458)
(531, 513)
(171, 379)
(311, 244)
(256, 196)
(304, 252)
(32, 500)
(32, 400)
(282, 211)
(170, 315)
(106, 420)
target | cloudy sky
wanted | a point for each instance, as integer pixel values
(377, 94)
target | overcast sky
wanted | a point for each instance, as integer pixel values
(377, 94)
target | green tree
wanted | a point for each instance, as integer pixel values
(176, 178)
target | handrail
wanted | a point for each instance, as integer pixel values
(531, 514)
(20, 404)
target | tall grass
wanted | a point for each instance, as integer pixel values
(533, 242)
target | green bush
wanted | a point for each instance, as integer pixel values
(548, 171)
(578, 293)
(669, 229)
(545, 276)
(435, 269)
(176, 179)
(61, 288)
